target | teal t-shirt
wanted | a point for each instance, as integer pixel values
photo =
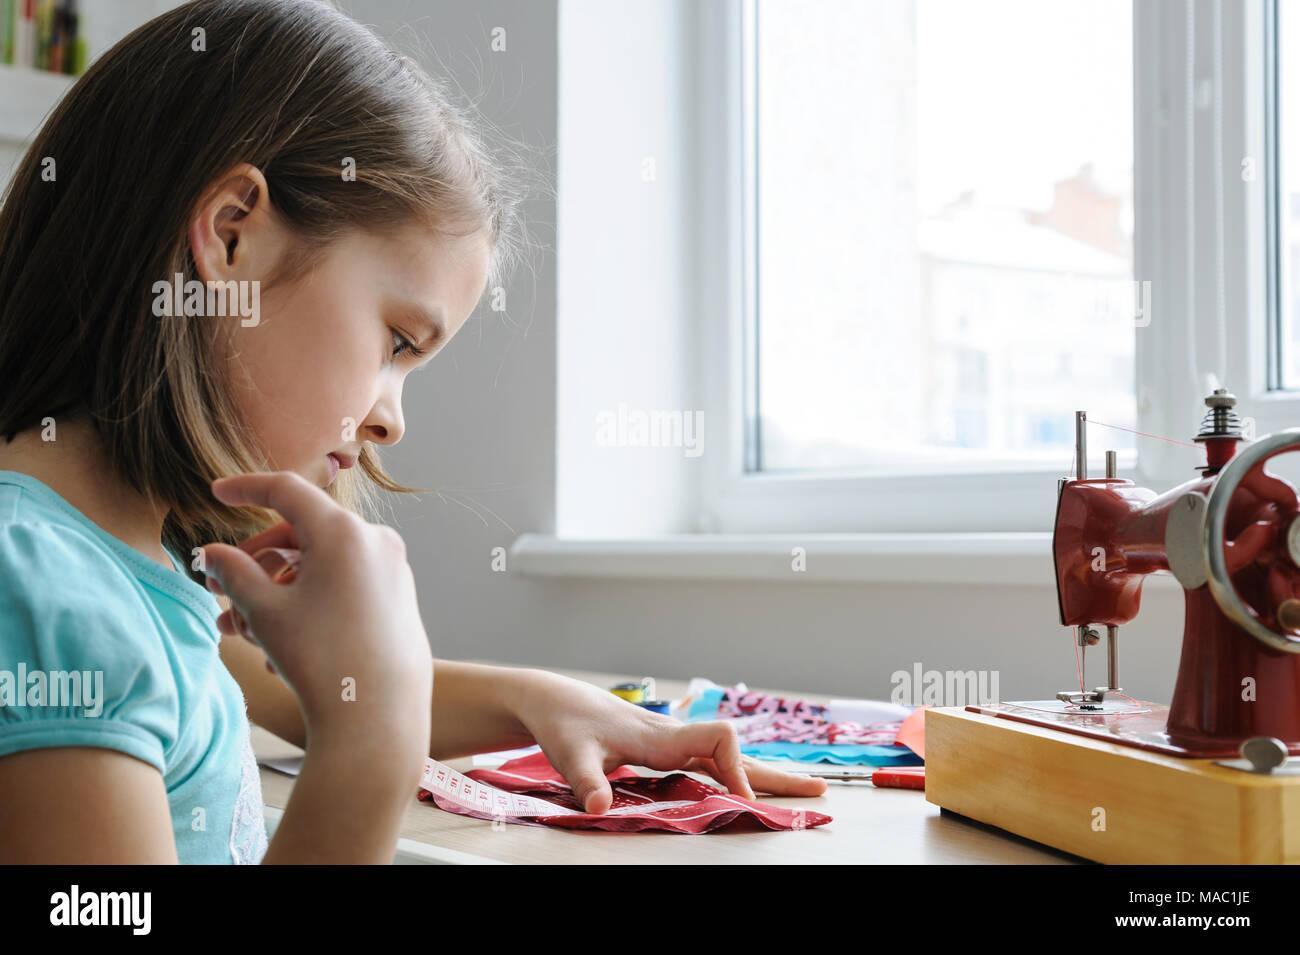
(101, 646)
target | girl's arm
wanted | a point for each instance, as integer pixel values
(469, 709)
(83, 805)
(583, 729)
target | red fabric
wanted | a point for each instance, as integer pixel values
(707, 808)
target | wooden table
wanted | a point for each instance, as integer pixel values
(870, 825)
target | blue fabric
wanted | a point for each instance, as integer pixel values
(843, 753)
(706, 707)
(75, 598)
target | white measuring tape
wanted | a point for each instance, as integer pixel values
(490, 802)
(481, 798)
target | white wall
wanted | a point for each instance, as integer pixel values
(626, 276)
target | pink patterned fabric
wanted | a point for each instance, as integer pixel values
(774, 719)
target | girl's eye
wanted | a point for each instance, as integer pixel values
(403, 345)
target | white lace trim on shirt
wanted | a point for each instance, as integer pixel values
(248, 827)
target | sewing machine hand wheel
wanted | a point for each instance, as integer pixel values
(1271, 540)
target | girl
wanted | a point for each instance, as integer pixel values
(277, 152)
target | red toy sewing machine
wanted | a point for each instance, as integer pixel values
(1231, 537)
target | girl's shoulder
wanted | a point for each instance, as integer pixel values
(51, 566)
(84, 663)
(47, 543)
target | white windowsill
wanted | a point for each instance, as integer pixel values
(1015, 559)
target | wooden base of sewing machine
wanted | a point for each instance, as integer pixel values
(1104, 801)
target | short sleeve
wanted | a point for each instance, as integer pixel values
(82, 659)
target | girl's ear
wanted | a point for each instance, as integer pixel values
(230, 223)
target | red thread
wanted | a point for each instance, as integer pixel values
(1075, 706)
(1078, 664)
(1127, 697)
(1070, 475)
(1142, 433)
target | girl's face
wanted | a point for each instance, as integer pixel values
(319, 369)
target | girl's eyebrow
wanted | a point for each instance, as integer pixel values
(431, 322)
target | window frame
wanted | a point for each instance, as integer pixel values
(1179, 149)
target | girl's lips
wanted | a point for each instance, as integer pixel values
(335, 464)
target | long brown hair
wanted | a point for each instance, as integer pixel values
(290, 86)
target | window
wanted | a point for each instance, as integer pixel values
(955, 224)
(1285, 196)
(944, 233)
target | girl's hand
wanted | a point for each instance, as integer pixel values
(280, 564)
(344, 629)
(586, 732)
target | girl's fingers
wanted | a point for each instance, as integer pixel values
(778, 782)
(726, 756)
(715, 743)
(232, 624)
(582, 767)
(300, 503)
(230, 627)
(275, 560)
(281, 535)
